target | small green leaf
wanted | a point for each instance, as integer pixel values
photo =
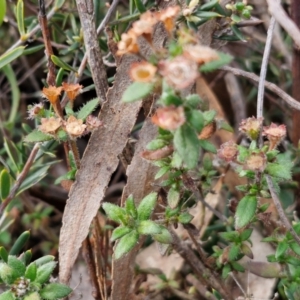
(148, 227)
(26, 257)
(281, 249)
(147, 206)
(34, 49)
(126, 243)
(245, 235)
(8, 295)
(236, 18)
(114, 212)
(156, 144)
(54, 291)
(207, 14)
(58, 4)
(20, 17)
(195, 119)
(243, 153)
(3, 254)
(62, 135)
(140, 6)
(7, 274)
(230, 236)
(209, 5)
(10, 56)
(162, 171)
(59, 79)
(247, 251)
(120, 232)
(60, 63)
(185, 218)
(236, 266)
(225, 126)
(32, 296)
(295, 247)
(31, 271)
(279, 171)
(238, 33)
(209, 116)
(19, 243)
(164, 237)
(2, 10)
(272, 154)
(245, 211)
(173, 197)
(170, 98)
(44, 260)
(37, 136)
(87, 109)
(208, 146)
(224, 59)
(225, 271)
(33, 178)
(44, 272)
(130, 207)
(187, 145)
(137, 91)
(193, 100)
(176, 160)
(4, 184)
(18, 267)
(234, 251)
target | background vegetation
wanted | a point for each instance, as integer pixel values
(150, 146)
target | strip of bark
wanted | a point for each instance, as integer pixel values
(140, 175)
(86, 15)
(99, 161)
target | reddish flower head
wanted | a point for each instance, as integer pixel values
(142, 71)
(75, 127)
(228, 151)
(251, 127)
(72, 90)
(52, 93)
(275, 134)
(50, 125)
(169, 118)
(168, 17)
(128, 43)
(200, 54)
(256, 162)
(179, 72)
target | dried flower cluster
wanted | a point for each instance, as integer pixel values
(256, 160)
(180, 71)
(251, 127)
(52, 93)
(228, 151)
(51, 125)
(169, 118)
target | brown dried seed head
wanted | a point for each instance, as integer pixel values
(228, 151)
(52, 93)
(142, 71)
(169, 118)
(208, 131)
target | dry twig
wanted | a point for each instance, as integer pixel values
(280, 210)
(277, 11)
(271, 86)
(20, 178)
